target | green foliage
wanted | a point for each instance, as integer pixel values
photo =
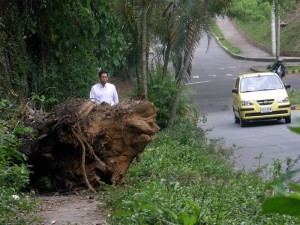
(287, 205)
(81, 42)
(41, 102)
(53, 49)
(294, 96)
(162, 93)
(217, 7)
(257, 10)
(14, 174)
(249, 10)
(186, 179)
(14, 61)
(287, 198)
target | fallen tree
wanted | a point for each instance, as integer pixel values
(80, 143)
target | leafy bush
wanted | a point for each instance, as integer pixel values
(186, 179)
(162, 94)
(14, 174)
(247, 10)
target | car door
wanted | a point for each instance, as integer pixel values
(235, 96)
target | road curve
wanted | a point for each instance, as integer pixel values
(212, 78)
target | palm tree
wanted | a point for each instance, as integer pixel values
(194, 20)
(139, 14)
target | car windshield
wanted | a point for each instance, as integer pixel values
(260, 83)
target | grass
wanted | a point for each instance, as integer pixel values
(260, 31)
(186, 179)
(217, 32)
(293, 68)
(294, 96)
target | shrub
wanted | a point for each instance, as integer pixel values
(162, 94)
(14, 174)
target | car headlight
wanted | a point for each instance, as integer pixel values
(283, 99)
(247, 102)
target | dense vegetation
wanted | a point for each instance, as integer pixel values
(51, 50)
(14, 174)
(186, 179)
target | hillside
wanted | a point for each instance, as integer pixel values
(290, 40)
(260, 31)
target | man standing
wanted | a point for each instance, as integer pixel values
(104, 91)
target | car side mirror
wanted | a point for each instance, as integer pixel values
(234, 90)
(287, 86)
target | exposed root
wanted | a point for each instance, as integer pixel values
(83, 162)
(108, 138)
(85, 108)
(102, 165)
(88, 111)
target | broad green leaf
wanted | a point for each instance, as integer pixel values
(283, 205)
(193, 220)
(194, 207)
(185, 217)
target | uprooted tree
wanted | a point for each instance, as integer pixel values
(80, 143)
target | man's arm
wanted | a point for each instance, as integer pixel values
(92, 95)
(115, 96)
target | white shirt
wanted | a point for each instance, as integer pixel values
(106, 93)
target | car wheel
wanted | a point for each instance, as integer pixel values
(243, 122)
(287, 119)
(236, 119)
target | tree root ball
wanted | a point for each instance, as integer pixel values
(82, 144)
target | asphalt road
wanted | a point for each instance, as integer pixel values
(212, 78)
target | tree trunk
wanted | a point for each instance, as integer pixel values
(144, 48)
(182, 76)
(81, 144)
